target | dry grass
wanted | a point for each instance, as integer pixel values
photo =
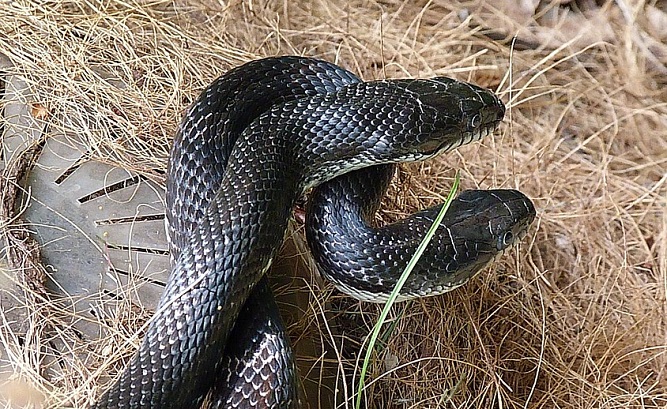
(574, 318)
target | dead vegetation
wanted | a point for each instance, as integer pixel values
(574, 318)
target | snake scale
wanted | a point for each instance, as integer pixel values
(252, 143)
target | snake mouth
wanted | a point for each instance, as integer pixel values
(464, 138)
(469, 137)
(448, 143)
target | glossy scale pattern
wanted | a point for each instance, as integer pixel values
(253, 142)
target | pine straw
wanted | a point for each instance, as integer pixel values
(573, 318)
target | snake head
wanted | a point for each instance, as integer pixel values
(460, 112)
(484, 224)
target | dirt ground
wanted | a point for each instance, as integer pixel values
(572, 318)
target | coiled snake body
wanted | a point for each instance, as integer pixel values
(252, 143)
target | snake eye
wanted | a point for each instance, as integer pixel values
(507, 238)
(475, 121)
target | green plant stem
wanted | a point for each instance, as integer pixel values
(404, 276)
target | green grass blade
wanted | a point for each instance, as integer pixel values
(394, 294)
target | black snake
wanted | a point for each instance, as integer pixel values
(253, 142)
